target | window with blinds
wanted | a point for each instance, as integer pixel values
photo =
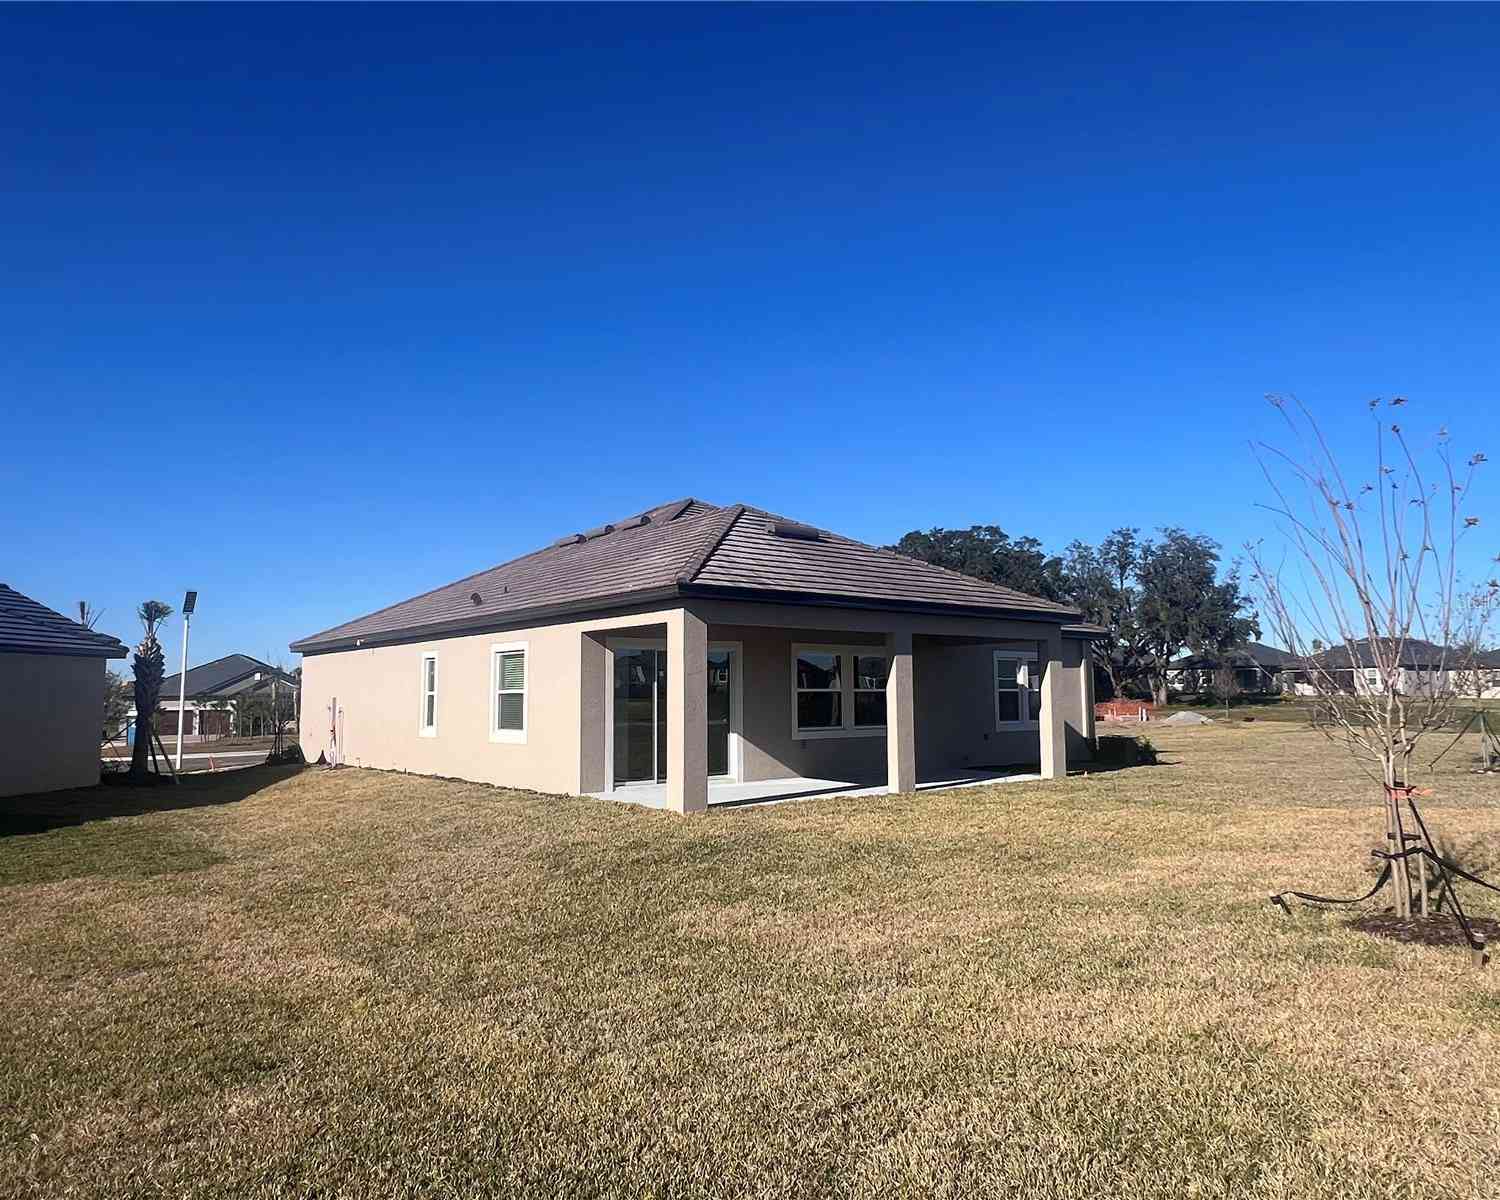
(508, 721)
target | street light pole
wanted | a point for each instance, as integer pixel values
(189, 602)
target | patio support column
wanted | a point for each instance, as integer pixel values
(593, 705)
(900, 717)
(1054, 726)
(687, 712)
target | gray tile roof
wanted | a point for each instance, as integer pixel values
(683, 548)
(1414, 653)
(750, 557)
(222, 676)
(27, 627)
(1252, 654)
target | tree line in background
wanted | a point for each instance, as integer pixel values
(1157, 596)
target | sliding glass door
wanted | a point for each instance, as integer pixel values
(640, 716)
(720, 676)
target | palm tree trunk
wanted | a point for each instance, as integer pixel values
(140, 753)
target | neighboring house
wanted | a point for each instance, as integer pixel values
(1481, 678)
(214, 690)
(1420, 667)
(1257, 670)
(51, 697)
(690, 650)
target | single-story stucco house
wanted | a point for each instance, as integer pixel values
(1257, 669)
(1415, 666)
(695, 654)
(214, 689)
(51, 697)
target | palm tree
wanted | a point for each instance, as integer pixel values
(149, 665)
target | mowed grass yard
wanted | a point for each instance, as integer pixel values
(359, 984)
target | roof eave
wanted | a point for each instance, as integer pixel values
(604, 604)
(479, 624)
(120, 651)
(922, 607)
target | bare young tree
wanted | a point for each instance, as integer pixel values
(1226, 681)
(1374, 585)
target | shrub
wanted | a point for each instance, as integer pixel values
(1118, 750)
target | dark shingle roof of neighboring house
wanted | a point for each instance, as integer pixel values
(1251, 654)
(687, 548)
(27, 627)
(223, 676)
(1414, 653)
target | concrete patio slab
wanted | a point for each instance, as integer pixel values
(728, 794)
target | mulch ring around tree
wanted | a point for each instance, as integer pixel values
(1440, 929)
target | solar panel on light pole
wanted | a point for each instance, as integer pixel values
(189, 602)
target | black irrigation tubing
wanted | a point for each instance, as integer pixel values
(1427, 851)
(1280, 897)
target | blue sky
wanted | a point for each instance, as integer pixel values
(362, 299)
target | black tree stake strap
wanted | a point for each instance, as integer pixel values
(1280, 897)
(1445, 869)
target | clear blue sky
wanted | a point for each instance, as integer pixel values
(315, 308)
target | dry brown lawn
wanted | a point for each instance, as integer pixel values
(359, 984)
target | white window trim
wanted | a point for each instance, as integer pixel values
(856, 653)
(848, 729)
(423, 729)
(1028, 659)
(515, 737)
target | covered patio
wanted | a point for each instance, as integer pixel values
(729, 794)
(719, 704)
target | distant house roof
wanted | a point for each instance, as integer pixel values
(688, 548)
(225, 676)
(27, 627)
(1414, 652)
(1250, 655)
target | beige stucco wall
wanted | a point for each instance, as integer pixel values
(378, 692)
(52, 711)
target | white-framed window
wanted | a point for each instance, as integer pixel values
(1018, 690)
(870, 674)
(427, 716)
(508, 700)
(838, 691)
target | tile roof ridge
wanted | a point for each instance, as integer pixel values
(713, 538)
(1059, 605)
